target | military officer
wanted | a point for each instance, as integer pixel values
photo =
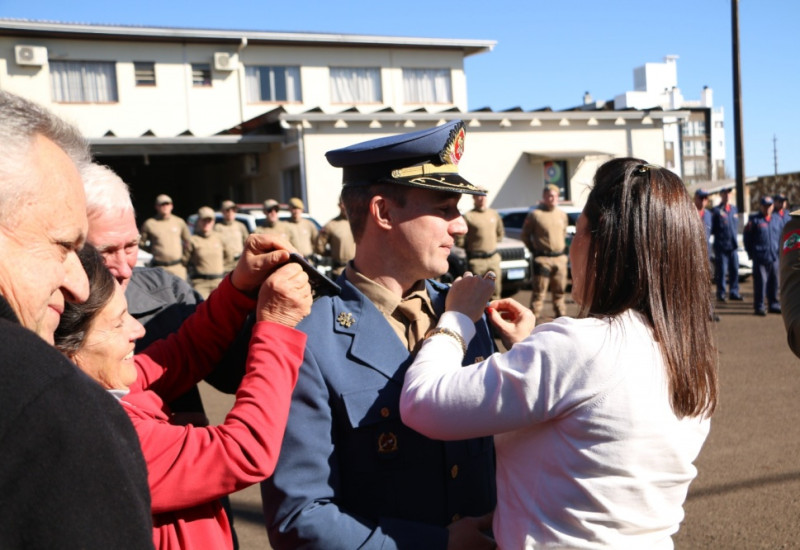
(302, 232)
(780, 208)
(725, 227)
(272, 223)
(335, 241)
(484, 231)
(206, 254)
(790, 280)
(166, 237)
(544, 232)
(232, 232)
(350, 473)
(761, 241)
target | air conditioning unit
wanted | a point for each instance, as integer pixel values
(30, 55)
(224, 61)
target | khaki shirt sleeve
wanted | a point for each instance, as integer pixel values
(186, 237)
(501, 230)
(527, 229)
(790, 282)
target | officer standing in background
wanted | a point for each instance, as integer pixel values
(790, 280)
(302, 232)
(725, 227)
(272, 222)
(206, 255)
(700, 202)
(335, 241)
(232, 232)
(761, 240)
(484, 231)
(780, 210)
(350, 473)
(544, 232)
(166, 237)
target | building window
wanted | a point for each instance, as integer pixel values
(427, 86)
(145, 73)
(694, 148)
(273, 84)
(291, 186)
(355, 85)
(696, 169)
(555, 173)
(694, 128)
(83, 81)
(201, 74)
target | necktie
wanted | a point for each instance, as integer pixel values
(418, 321)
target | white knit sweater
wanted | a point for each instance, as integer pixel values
(589, 451)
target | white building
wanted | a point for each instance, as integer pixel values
(207, 115)
(695, 148)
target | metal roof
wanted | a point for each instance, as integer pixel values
(93, 31)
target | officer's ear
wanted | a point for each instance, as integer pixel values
(380, 209)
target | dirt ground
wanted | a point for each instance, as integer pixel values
(747, 492)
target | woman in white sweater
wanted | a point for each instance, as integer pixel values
(597, 420)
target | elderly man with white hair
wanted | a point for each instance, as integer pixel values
(71, 469)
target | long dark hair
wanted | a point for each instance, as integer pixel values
(77, 318)
(648, 253)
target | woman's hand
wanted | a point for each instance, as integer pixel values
(285, 296)
(261, 256)
(469, 295)
(513, 321)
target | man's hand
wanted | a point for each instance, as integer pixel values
(470, 533)
(469, 295)
(261, 256)
(513, 321)
(285, 297)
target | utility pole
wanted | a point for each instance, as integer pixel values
(737, 107)
(775, 152)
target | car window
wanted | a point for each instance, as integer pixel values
(514, 220)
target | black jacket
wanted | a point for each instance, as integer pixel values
(72, 473)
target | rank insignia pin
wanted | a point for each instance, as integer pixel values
(387, 443)
(345, 319)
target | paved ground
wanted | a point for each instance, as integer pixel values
(747, 493)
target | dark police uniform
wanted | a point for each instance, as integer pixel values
(350, 473)
(762, 236)
(724, 227)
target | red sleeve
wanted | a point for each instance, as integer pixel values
(171, 366)
(190, 465)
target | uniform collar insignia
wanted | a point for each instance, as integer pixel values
(345, 319)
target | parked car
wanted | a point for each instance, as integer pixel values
(515, 265)
(745, 263)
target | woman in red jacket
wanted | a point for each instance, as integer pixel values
(190, 468)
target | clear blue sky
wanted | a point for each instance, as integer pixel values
(548, 53)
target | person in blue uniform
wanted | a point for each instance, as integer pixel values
(701, 203)
(762, 236)
(780, 210)
(351, 474)
(724, 227)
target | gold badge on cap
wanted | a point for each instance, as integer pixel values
(345, 319)
(387, 443)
